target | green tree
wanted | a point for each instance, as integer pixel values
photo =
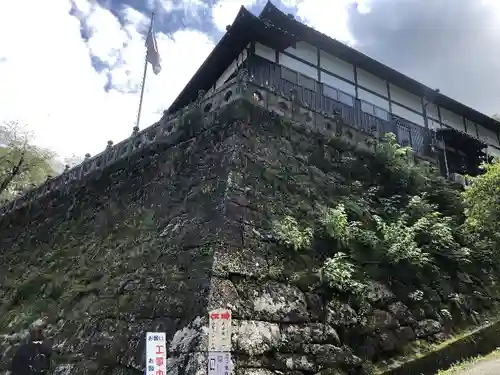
(22, 164)
(482, 202)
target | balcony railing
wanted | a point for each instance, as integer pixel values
(407, 133)
(264, 87)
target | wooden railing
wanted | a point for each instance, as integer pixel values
(263, 78)
(407, 133)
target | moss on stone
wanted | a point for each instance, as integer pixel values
(158, 240)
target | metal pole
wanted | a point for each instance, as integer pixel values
(143, 82)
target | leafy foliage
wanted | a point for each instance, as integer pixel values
(289, 233)
(396, 166)
(482, 200)
(407, 220)
(22, 165)
(482, 210)
(336, 224)
(398, 240)
(340, 273)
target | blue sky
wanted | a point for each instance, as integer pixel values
(70, 70)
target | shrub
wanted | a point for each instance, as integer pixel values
(339, 273)
(398, 240)
(289, 233)
(482, 200)
(335, 224)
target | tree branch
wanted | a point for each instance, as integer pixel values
(13, 173)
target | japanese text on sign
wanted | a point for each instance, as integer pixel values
(219, 334)
(156, 353)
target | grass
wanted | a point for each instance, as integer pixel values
(468, 363)
(420, 348)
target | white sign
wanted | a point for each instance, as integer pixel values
(219, 363)
(219, 334)
(156, 353)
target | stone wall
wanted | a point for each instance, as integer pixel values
(157, 241)
(480, 342)
(129, 251)
(285, 319)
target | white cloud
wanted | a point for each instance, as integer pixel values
(224, 12)
(188, 6)
(48, 81)
(330, 18)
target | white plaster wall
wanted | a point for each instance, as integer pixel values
(227, 73)
(493, 152)
(471, 128)
(405, 98)
(452, 119)
(336, 66)
(407, 114)
(432, 111)
(367, 107)
(373, 99)
(433, 124)
(265, 52)
(231, 69)
(298, 66)
(305, 52)
(487, 136)
(337, 83)
(371, 82)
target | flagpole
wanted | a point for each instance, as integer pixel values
(143, 83)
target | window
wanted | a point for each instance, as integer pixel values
(330, 92)
(337, 95)
(367, 107)
(381, 113)
(487, 135)
(307, 83)
(289, 75)
(374, 110)
(346, 99)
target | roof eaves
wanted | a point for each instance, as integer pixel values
(197, 80)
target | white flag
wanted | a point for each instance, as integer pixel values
(153, 56)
